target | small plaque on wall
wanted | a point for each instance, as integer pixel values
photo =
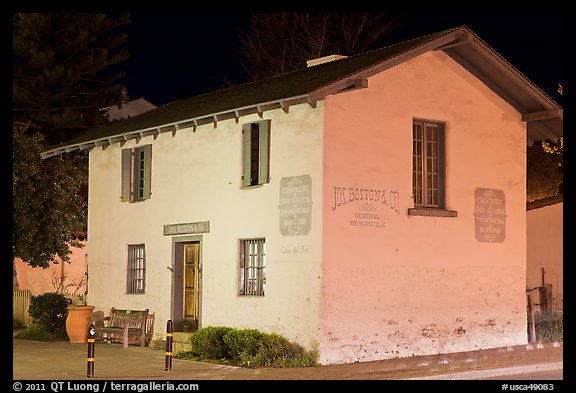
(490, 215)
(187, 228)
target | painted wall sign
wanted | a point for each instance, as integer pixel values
(295, 205)
(187, 228)
(490, 215)
(372, 204)
(345, 195)
(367, 215)
(294, 250)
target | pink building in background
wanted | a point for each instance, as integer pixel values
(69, 278)
(545, 255)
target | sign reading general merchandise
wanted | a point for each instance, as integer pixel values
(187, 228)
(490, 215)
(295, 205)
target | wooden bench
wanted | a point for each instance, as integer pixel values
(125, 323)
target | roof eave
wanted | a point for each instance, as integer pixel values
(461, 44)
(543, 115)
(453, 38)
(173, 127)
(455, 44)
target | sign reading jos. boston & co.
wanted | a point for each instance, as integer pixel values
(490, 215)
(187, 228)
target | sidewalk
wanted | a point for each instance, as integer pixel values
(34, 360)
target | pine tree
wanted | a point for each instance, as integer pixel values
(62, 77)
(61, 71)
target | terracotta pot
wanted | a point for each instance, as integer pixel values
(77, 323)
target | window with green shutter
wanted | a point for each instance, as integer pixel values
(136, 169)
(256, 153)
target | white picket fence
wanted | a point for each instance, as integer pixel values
(21, 303)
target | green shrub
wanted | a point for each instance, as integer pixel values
(39, 333)
(209, 343)
(248, 348)
(285, 355)
(274, 351)
(243, 342)
(49, 311)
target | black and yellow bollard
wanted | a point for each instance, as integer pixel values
(91, 341)
(169, 334)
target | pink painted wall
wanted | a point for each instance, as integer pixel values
(411, 285)
(40, 281)
(545, 243)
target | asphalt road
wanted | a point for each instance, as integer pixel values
(67, 361)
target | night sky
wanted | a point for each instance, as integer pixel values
(174, 55)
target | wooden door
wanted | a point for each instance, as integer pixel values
(191, 282)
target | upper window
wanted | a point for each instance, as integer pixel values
(428, 164)
(136, 279)
(136, 165)
(252, 269)
(256, 153)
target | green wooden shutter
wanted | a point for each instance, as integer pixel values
(147, 170)
(126, 175)
(264, 151)
(246, 155)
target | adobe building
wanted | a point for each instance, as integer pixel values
(371, 206)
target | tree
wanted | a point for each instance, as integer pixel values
(45, 202)
(62, 77)
(555, 147)
(544, 176)
(62, 71)
(545, 163)
(277, 43)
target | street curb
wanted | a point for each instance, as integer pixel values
(495, 372)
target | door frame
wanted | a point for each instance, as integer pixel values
(177, 282)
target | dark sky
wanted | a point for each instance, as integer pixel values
(188, 53)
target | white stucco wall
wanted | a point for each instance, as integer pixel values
(196, 176)
(421, 285)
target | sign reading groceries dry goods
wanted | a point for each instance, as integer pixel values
(490, 215)
(295, 205)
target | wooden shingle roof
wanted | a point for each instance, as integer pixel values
(312, 84)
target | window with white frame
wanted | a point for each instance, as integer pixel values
(252, 269)
(136, 171)
(428, 164)
(136, 272)
(256, 153)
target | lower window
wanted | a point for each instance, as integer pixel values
(252, 268)
(136, 278)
